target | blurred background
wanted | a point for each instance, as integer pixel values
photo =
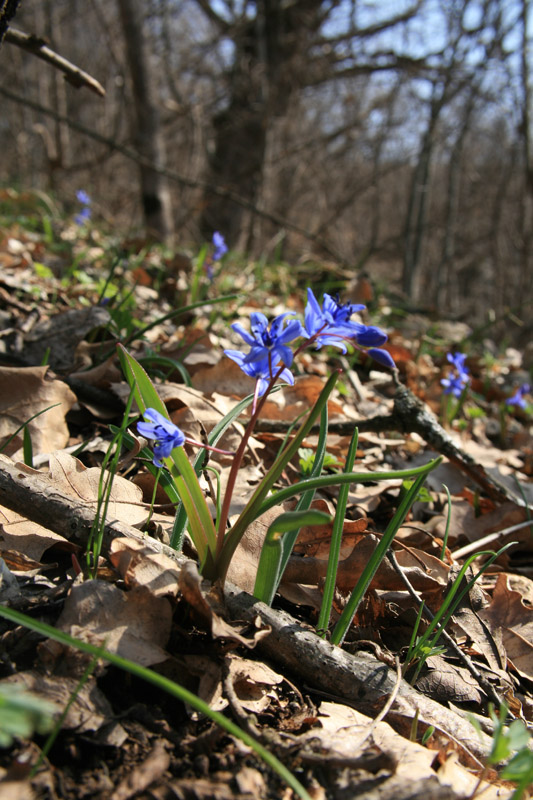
(387, 139)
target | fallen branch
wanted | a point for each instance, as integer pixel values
(410, 415)
(360, 679)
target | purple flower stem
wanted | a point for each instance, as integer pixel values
(257, 406)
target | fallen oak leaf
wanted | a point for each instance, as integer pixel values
(204, 603)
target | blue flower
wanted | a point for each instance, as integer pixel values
(262, 371)
(518, 397)
(82, 216)
(85, 212)
(456, 381)
(220, 246)
(269, 345)
(331, 325)
(167, 436)
(83, 197)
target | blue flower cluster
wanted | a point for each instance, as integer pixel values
(220, 246)
(327, 325)
(220, 249)
(459, 377)
(84, 214)
(518, 397)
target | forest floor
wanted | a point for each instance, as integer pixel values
(345, 721)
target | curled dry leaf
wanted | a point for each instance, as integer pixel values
(252, 682)
(89, 710)
(508, 612)
(135, 624)
(140, 566)
(343, 729)
(204, 603)
(30, 392)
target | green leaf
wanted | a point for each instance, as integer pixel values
(268, 571)
(377, 557)
(183, 474)
(335, 544)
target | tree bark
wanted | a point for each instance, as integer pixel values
(267, 69)
(148, 135)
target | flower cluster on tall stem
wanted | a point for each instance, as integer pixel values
(218, 252)
(270, 358)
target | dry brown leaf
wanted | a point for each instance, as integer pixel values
(464, 782)
(69, 476)
(61, 335)
(343, 728)
(30, 392)
(90, 709)
(465, 523)
(140, 566)
(143, 775)
(447, 682)
(226, 378)
(243, 566)
(102, 376)
(204, 603)
(425, 572)
(508, 612)
(29, 538)
(252, 682)
(135, 624)
(291, 401)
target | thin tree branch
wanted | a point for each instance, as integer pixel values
(73, 74)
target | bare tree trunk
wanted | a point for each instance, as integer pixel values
(444, 274)
(148, 134)
(266, 72)
(526, 221)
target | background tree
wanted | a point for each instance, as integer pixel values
(385, 135)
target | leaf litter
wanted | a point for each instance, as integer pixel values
(155, 609)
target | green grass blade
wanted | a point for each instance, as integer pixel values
(341, 478)
(268, 571)
(163, 683)
(335, 544)
(270, 576)
(377, 557)
(448, 520)
(27, 447)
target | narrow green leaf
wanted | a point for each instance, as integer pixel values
(341, 628)
(268, 576)
(27, 447)
(338, 480)
(335, 544)
(184, 476)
